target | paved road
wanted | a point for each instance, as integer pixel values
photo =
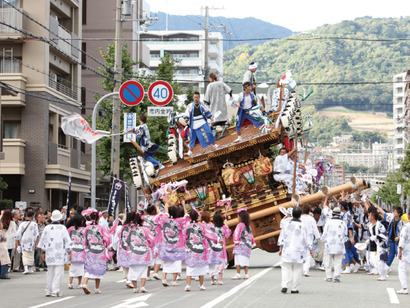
(261, 290)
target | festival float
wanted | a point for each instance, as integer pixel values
(237, 175)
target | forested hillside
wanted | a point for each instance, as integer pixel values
(371, 52)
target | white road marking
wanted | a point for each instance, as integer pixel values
(132, 302)
(236, 289)
(122, 280)
(53, 302)
(278, 264)
(393, 296)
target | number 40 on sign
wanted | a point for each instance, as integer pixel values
(160, 93)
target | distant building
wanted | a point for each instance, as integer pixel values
(188, 49)
(38, 156)
(343, 139)
(401, 116)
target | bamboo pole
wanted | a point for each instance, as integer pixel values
(281, 97)
(295, 162)
(314, 198)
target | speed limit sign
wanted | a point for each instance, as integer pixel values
(160, 93)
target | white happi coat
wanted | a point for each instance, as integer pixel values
(380, 237)
(55, 241)
(334, 234)
(295, 241)
(325, 216)
(311, 228)
(28, 239)
(404, 242)
(284, 166)
(215, 97)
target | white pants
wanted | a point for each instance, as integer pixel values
(403, 273)
(55, 274)
(308, 260)
(291, 275)
(330, 260)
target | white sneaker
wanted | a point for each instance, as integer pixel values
(381, 279)
(143, 290)
(174, 284)
(149, 278)
(179, 277)
(70, 286)
(348, 270)
(97, 291)
(403, 291)
(202, 288)
(85, 289)
(245, 276)
(213, 282)
(165, 283)
(236, 277)
(189, 153)
(129, 284)
(80, 286)
(26, 272)
(239, 139)
(155, 276)
(220, 282)
(135, 291)
(388, 270)
(356, 268)
(188, 288)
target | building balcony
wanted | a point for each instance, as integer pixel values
(190, 62)
(214, 65)
(13, 162)
(14, 18)
(174, 45)
(64, 34)
(60, 87)
(17, 81)
(214, 51)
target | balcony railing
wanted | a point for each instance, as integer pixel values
(60, 87)
(12, 17)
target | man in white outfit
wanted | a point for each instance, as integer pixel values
(104, 220)
(404, 254)
(313, 234)
(333, 236)
(293, 242)
(55, 241)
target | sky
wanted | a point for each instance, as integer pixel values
(296, 15)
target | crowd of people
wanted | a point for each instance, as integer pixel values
(352, 235)
(137, 242)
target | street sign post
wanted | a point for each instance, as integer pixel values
(131, 93)
(160, 93)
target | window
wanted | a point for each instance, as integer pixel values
(11, 130)
(84, 17)
(15, 3)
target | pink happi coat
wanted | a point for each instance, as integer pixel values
(123, 258)
(218, 250)
(77, 237)
(140, 242)
(96, 241)
(172, 247)
(244, 241)
(151, 221)
(196, 244)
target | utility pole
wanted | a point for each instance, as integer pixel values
(116, 112)
(206, 26)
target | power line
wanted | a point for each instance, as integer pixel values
(44, 40)
(44, 73)
(59, 37)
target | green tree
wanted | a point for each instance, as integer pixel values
(388, 192)
(157, 125)
(3, 184)
(405, 168)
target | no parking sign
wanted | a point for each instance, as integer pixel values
(131, 93)
(160, 93)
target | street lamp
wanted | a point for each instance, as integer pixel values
(94, 149)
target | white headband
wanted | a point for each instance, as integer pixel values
(252, 66)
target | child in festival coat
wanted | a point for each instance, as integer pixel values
(140, 242)
(96, 241)
(218, 256)
(197, 249)
(244, 242)
(172, 249)
(121, 245)
(151, 221)
(76, 232)
(55, 241)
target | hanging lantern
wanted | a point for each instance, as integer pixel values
(247, 172)
(201, 192)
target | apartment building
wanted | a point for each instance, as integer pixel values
(188, 49)
(40, 63)
(401, 115)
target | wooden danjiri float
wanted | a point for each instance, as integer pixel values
(239, 174)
